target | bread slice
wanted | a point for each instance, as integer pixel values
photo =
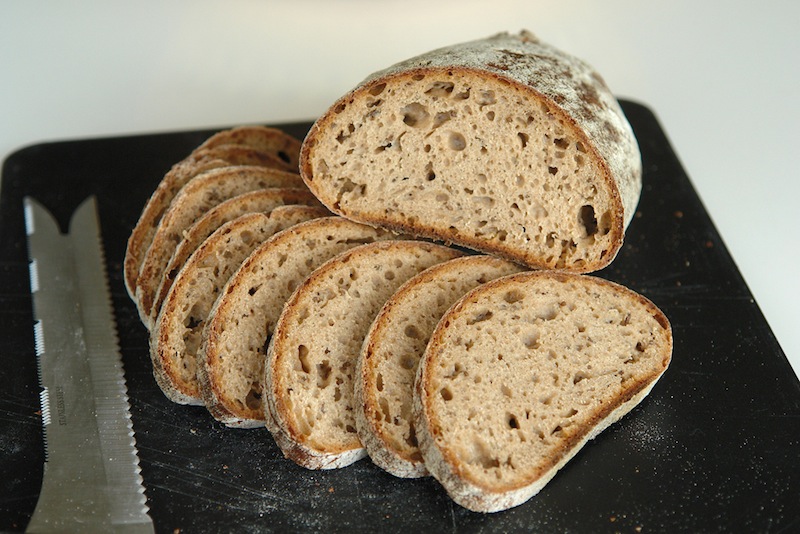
(312, 356)
(231, 357)
(262, 200)
(261, 138)
(394, 345)
(203, 192)
(522, 372)
(505, 145)
(175, 338)
(212, 154)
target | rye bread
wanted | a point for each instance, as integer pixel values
(505, 145)
(177, 332)
(522, 372)
(212, 154)
(262, 200)
(200, 194)
(311, 362)
(235, 337)
(391, 352)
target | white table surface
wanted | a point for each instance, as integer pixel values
(723, 78)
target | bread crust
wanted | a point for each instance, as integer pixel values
(566, 86)
(446, 466)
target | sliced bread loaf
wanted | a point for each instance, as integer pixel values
(175, 338)
(203, 192)
(505, 145)
(210, 156)
(312, 356)
(262, 200)
(395, 343)
(231, 358)
(522, 372)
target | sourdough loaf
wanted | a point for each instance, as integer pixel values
(505, 145)
(200, 194)
(233, 349)
(175, 338)
(392, 349)
(522, 372)
(312, 355)
(218, 151)
(261, 200)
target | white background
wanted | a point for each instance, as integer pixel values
(722, 77)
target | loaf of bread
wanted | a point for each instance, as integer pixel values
(384, 383)
(233, 349)
(522, 371)
(220, 150)
(261, 200)
(203, 192)
(505, 145)
(176, 335)
(313, 352)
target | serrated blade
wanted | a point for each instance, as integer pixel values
(92, 480)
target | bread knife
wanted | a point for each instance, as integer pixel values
(92, 480)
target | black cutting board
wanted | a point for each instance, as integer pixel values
(715, 447)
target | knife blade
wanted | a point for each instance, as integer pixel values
(92, 480)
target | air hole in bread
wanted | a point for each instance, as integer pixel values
(523, 137)
(389, 274)
(302, 357)
(323, 374)
(415, 115)
(512, 421)
(379, 382)
(490, 115)
(446, 393)
(408, 362)
(553, 171)
(485, 315)
(441, 118)
(253, 399)
(481, 456)
(548, 313)
(375, 90)
(412, 331)
(506, 391)
(385, 410)
(531, 341)
(515, 295)
(486, 98)
(561, 143)
(284, 156)
(430, 174)
(456, 141)
(587, 218)
(442, 89)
